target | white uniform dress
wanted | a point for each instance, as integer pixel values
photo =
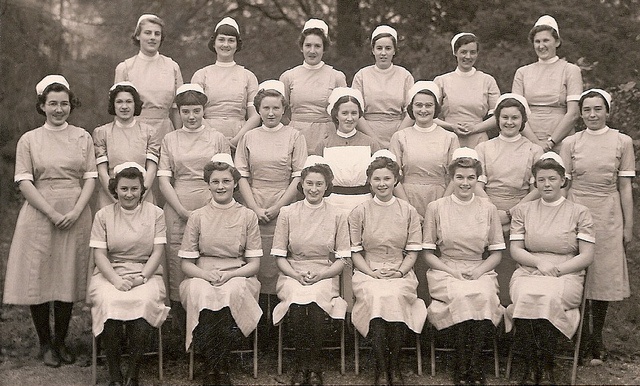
(221, 237)
(307, 235)
(129, 237)
(46, 263)
(550, 231)
(461, 230)
(382, 232)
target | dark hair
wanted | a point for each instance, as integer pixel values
(323, 169)
(154, 20)
(111, 109)
(548, 164)
(385, 35)
(326, 42)
(190, 98)
(466, 39)
(228, 30)
(342, 100)
(212, 166)
(56, 87)
(128, 173)
(510, 102)
(257, 100)
(593, 94)
(384, 163)
(465, 163)
(544, 27)
(426, 92)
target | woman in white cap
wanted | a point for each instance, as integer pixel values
(56, 172)
(270, 159)
(463, 285)
(384, 87)
(552, 87)
(601, 167)
(125, 139)
(308, 86)
(385, 242)
(183, 154)
(506, 171)
(467, 94)
(220, 253)
(552, 241)
(311, 246)
(230, 88)
(126, 288)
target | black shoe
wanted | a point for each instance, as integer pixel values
(115, 383)
(599, 353)
(527, 377)
(315, 378)
(224, 378)
(131, 382)
(380, 378)
(548, 377)
(211, 379)
(394, 377)
(50, 358)
(299, 378)
(66, 356)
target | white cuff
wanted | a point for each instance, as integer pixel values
(102, 159)
(253, 253)
(152, 157)
(279, 252)
(497, 247)
(188, 254)
(23, 176)
(428, 246)
(88, 175)
(164, 173)
(516, 236)
(586, 237)
(98, 244)
(160, 240)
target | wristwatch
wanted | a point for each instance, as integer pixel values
(552, 141)
(144, 279)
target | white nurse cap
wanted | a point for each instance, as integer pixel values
(553, 156)
(230, 22)
(458, 36)
(315, 160)
(605, 95)
(384, 29)
(272, 84)
(383, 153)
(316, 23)
(548, 21)
(127, 165)
(424, 85)
(49, 80)
(189, 87)
(518, 97)
(339, 92)
(223, 158)
(125, 83)
(465, 152)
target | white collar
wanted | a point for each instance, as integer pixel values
(384, 203)
(549, 61)
(225, 64)
(597, 132)
(147, 57)
(459, 201)
(273, 129)
(554, 203)
(425, 129)
(510, 139)
(127, 126)
(346, 135)
(199, 129)
(313, 206)
(467, 74)
(223, 206)
(55, 128)
(383, 70)
(130, 211)
(312, 66)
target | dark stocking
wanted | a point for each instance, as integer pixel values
(526, 340)
(138, 334)
(379, 344)
(40, 317)
(463, 348)
(61, 317)
(478, 332)
(599, 313)
(111, 338)
(214, 336)
(396, 336)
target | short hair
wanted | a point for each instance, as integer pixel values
(190, 98)
(510, 102)
(544, 27)
(228, 30)
(130, 173)
(111, 108)
(56, 87)
(465, 163)
(154, 20)
(466, 39)
(212, 166)
(326, 42)
(323, 169)
(435, 99)
(342, 100)
(257, 100)
(593, 94)
(385, 35)
(548, 164)
(384, 163)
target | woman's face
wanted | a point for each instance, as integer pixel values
(464, 183)
(192, 116)
(424, 107)
(129, 191)
(57, 107)
(594, 113)
(467, 55)
(271, 110)
(348, 115)
(150, 37)
(313, 187)
(221, 185)
(124, 105)
(382, 182)
(510, 121)
(312, 49)
(226, 47)
(549, 184)
(545, 45)
(383, 51)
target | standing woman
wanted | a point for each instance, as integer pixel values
(462, 284)
(270, 159)
(308, 86)
(467, 94)
(184, 153)
(56, 172)
(311, 245)
(384, 87)
(601, 165)
(125, 139)
(506, 171)
(230, 88)
(126, 288)
(385, 241)
(552, 87)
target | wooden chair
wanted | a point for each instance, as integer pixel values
(253, 351)
(417, 349)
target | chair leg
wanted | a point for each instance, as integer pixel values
(191, 360)
(496, 356)
(94, 360)
(342, 349)
(160, 359)
(280, 348)
(576, 349)
(356, 345)
(255, 353)
(510, 355)
(432, 346)
(419, 353)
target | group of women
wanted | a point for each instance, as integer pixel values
(423, 223)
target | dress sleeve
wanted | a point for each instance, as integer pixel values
(496, 237)
(100, 145)
(222, 143)
(356, 223)
(190, 247)
(253, 245)
(566, 151)
(199, 78)
(358, 84)
(121, 73)
(177, 75)
(574, 83)
(90, 169)
(242, 157)
(396, 146)
(153, 143)
(24, 162)
(493, 93)
(285, 78)
(343, 245)
(408, 83)
(430, 227)
(585, 228)
(252, 88)
(161, 228)
(453, 145)
(480, 149)
(299, 155)
(628, 159)
(341, 79)
(281, 234)
(164, 168)
(99, 231)
(414, 234)
(518, 82)
(517, 230)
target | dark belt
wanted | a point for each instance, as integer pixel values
(351, 190)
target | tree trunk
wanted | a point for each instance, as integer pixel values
(349, 39)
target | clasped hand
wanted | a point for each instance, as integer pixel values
(548, 269)
(217, 277)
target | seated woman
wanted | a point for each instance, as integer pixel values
(462, 284)
(220, 253)
(385, 241)
(552, 239)
(128, 240)
(311, 243)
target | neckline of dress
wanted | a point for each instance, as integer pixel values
(312, 66)
(346, 135)
(55, 128)
(272, 129)
(225, 64)
(549, 61)
(384, 203)
(199, 129)
(554, 203)
(515, 138)
(147, 57)
(425, 129)
(466, 74)
(223, 206)
(460, 202)
(130, 125)
(597, 132)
